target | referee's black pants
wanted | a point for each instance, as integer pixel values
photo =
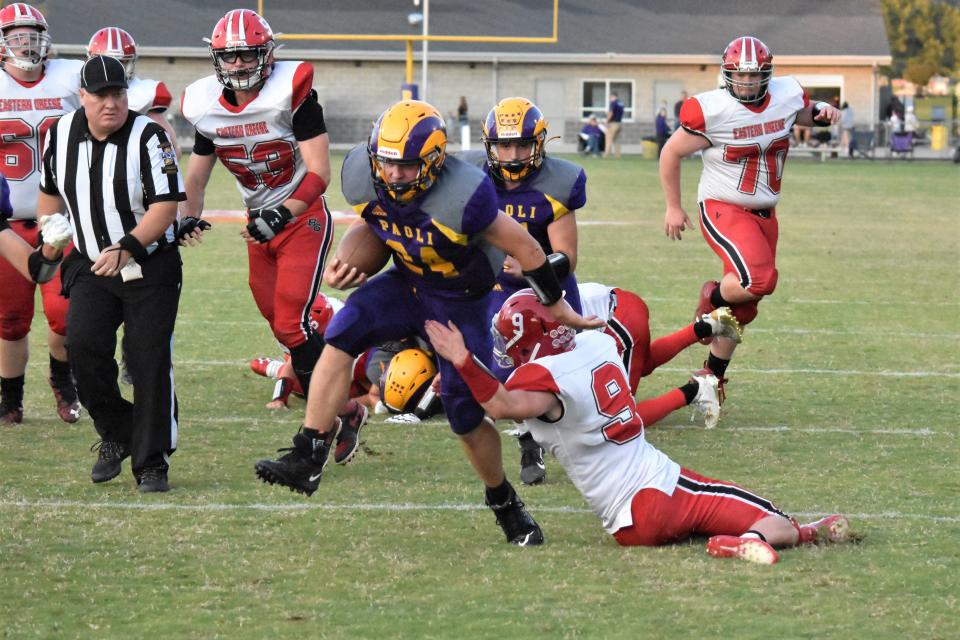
(148, 309)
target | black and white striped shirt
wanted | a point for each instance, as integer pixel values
(109, 185)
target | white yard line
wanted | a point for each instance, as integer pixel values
(923, 431)
(739, 370)
(58, 505)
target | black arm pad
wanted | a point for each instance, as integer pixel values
(41, 269)
(560, 263)
(544, 283)
(131, 244)
(4, 225)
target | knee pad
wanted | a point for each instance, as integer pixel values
(764, 282)
(14, 326)
(746, 312)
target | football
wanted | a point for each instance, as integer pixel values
(360, 247)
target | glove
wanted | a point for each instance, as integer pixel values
(190, 224)
(56, 230)
(265, 224)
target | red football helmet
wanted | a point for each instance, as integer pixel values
(747, 54)
(116, 43)
(33, 45)
(523, 330)
(242, 36)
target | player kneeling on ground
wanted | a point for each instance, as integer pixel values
(572, 392)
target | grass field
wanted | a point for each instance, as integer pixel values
(844, 397)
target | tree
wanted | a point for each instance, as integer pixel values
(924, 38)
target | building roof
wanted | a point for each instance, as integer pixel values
(669, 30)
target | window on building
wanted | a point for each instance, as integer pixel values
(596, 97)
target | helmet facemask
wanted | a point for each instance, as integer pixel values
(243, 78)
(35, 42)
(404, 192)
(515, 170)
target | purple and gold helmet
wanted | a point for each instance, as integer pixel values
(409, 132)
(515, 120)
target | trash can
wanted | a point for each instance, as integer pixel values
(650, 149)
(938, 137)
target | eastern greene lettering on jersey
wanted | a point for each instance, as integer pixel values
(749, 144)
(26, 114)
(256, 141)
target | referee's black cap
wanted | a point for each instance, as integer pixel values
(102, 72)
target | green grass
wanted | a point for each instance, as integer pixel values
(868, 293)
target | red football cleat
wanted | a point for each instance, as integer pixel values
(68, 405)
(266, 367)
(704, 305)
(832, 529)
(749, 549)
(10, 416)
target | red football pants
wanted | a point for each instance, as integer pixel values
(286, 273)
(698, 506)
(16, 293)
(745, 241)
(630, 327)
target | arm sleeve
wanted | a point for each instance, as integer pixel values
(691, 117)
(202, 145)
(161, 98)
(308, 119)
(481, 209)
(48, 176)
(159, 172)
(578, 194)
(532, 377)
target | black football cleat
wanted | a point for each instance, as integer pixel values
(348, 440)
(153, 480)
(110, 456)
(532, 468)
(301, 468)
(517, 524)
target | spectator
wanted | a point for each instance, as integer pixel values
(846, 128)
(910, 122)
(801, 135)
(676, 109)
(663, 129)
(462, 112)
(592, 134)
(614, 117)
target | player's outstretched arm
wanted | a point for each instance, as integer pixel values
(818, 114)
(680, 145)
(495, 399)
(506, 233)
(199, 168)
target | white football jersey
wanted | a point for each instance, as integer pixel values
(255, 142)
(749, 145)
(144, 96)
(596, 300)
(599, 438)
(26, 113)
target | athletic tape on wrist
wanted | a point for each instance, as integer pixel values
(483, 385)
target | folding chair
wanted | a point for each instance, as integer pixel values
(902, 144)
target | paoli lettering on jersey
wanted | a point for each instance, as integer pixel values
(753, 130)
(26, 104)
(243, 130)
(408, 232)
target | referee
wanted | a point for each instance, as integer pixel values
(116, 174)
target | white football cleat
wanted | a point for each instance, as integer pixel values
(706, 402)
(404, 418)
(724, 324)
